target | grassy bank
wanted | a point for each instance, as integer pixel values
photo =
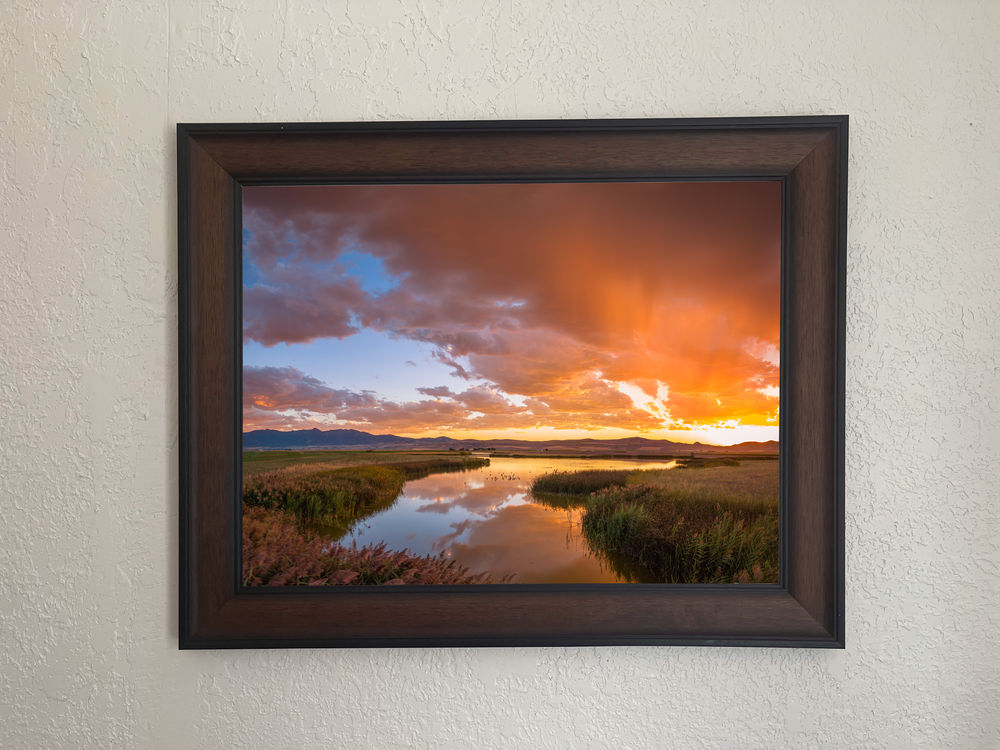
(335, 495)
(579, 482)
(278, 551)
(686, 538)
(255, 462)
(715, 525)
(705, 463)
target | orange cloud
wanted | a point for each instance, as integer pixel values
(285, 398)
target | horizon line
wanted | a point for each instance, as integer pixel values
(503, 439)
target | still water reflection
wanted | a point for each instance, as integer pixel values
(487, 520)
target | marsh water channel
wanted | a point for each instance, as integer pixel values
(487, 520)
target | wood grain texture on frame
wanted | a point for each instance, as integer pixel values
(806, 609)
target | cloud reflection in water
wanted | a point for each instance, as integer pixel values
(487, 520)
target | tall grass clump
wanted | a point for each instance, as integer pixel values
(278, 551)
(335, 496)
(686, 537)
(417, 469)
(578, 482)
(622, 524)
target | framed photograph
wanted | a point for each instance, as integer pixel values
(512, 383)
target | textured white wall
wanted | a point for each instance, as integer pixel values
(89, 94)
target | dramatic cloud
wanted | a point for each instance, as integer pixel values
(301, 309)
(280, 396)
(285, 398)
(572, 299)
(287, 389)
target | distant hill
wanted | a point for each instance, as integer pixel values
(356, 439)
(318, 438)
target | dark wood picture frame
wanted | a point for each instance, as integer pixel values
(805, 609)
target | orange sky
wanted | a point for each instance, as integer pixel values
(536, 311)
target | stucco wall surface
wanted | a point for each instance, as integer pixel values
(89, 94)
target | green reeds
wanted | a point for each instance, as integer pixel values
(686, 537)
(338, 497)
(705, 463)
(579, 482)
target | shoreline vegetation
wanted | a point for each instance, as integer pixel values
(338, 496)
(278, 551)
(712, 519)
(290, 513)
(707, 521)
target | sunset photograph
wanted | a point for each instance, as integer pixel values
(571, 382)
